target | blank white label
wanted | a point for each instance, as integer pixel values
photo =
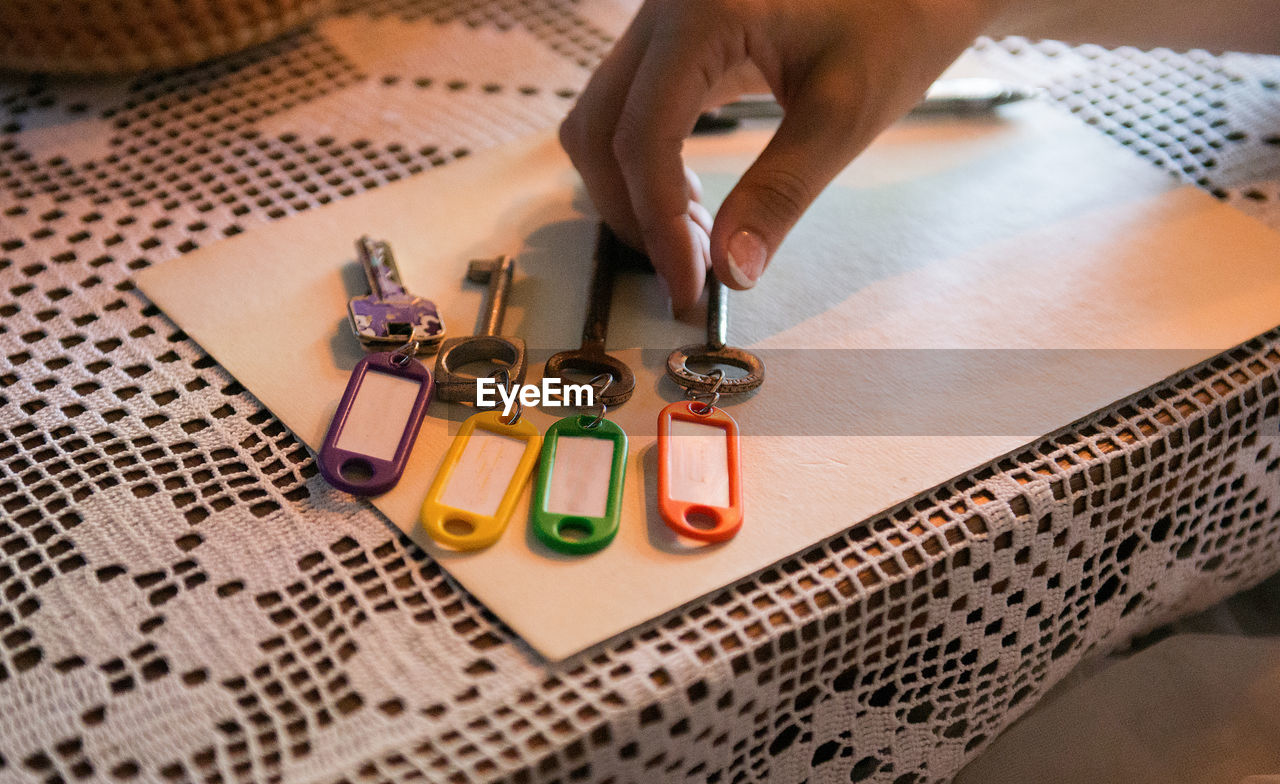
(378, 415)
(698, 463)
(580, 476)
(481, 476)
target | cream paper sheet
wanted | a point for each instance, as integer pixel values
(964, 287)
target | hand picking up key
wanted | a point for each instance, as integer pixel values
(842, 70)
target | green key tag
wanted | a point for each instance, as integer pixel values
(577, 499)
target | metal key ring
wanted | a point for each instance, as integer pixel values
(713, 394)
(604, 406)
(504, 378)
(401, 356)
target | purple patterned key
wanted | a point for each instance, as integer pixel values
(391, 316)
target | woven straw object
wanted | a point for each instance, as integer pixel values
(124, 36)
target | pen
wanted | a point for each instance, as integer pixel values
(956, 96)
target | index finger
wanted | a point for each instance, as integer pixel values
(587, 130)
(677, 73)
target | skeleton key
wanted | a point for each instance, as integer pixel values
(715, 352)
(390, 316)
(591, 358)
(451, 384)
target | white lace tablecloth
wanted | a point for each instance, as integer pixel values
(183, 599)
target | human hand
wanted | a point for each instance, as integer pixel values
(842, 70)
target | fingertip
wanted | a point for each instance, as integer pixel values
(695, 184)
(687, 303)
(746, 257)
(664, 291)
(680, 256)
(739, 257)
(701, 216)
(627, 231)
(684, 305)
(685, 288)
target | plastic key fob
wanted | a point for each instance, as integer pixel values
(376, 423)
(479, 483)
(699, 471)
(577, 498)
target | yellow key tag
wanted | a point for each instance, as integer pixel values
(477, 487)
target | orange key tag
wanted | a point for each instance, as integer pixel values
(699, 471)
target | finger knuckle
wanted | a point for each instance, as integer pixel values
(781, 195)
(836, 111)
(730, 10)
(628, 138)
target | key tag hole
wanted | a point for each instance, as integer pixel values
(356, 471)
(456, 526)
(573, 529)
(702, 519)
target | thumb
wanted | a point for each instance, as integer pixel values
(815, 141)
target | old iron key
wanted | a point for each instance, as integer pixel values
(390, 316)
(715, 352)
(591, 359)
(451, 384)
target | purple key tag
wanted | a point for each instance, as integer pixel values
(373, 430)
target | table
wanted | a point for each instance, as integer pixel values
(185, 599)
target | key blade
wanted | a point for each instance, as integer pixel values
(499, 289)
(600, 298)
(380, 269)
(717, 312)
(497, 273)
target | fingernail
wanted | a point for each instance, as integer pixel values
(747, 256)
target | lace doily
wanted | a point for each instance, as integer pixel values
(183, 599)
